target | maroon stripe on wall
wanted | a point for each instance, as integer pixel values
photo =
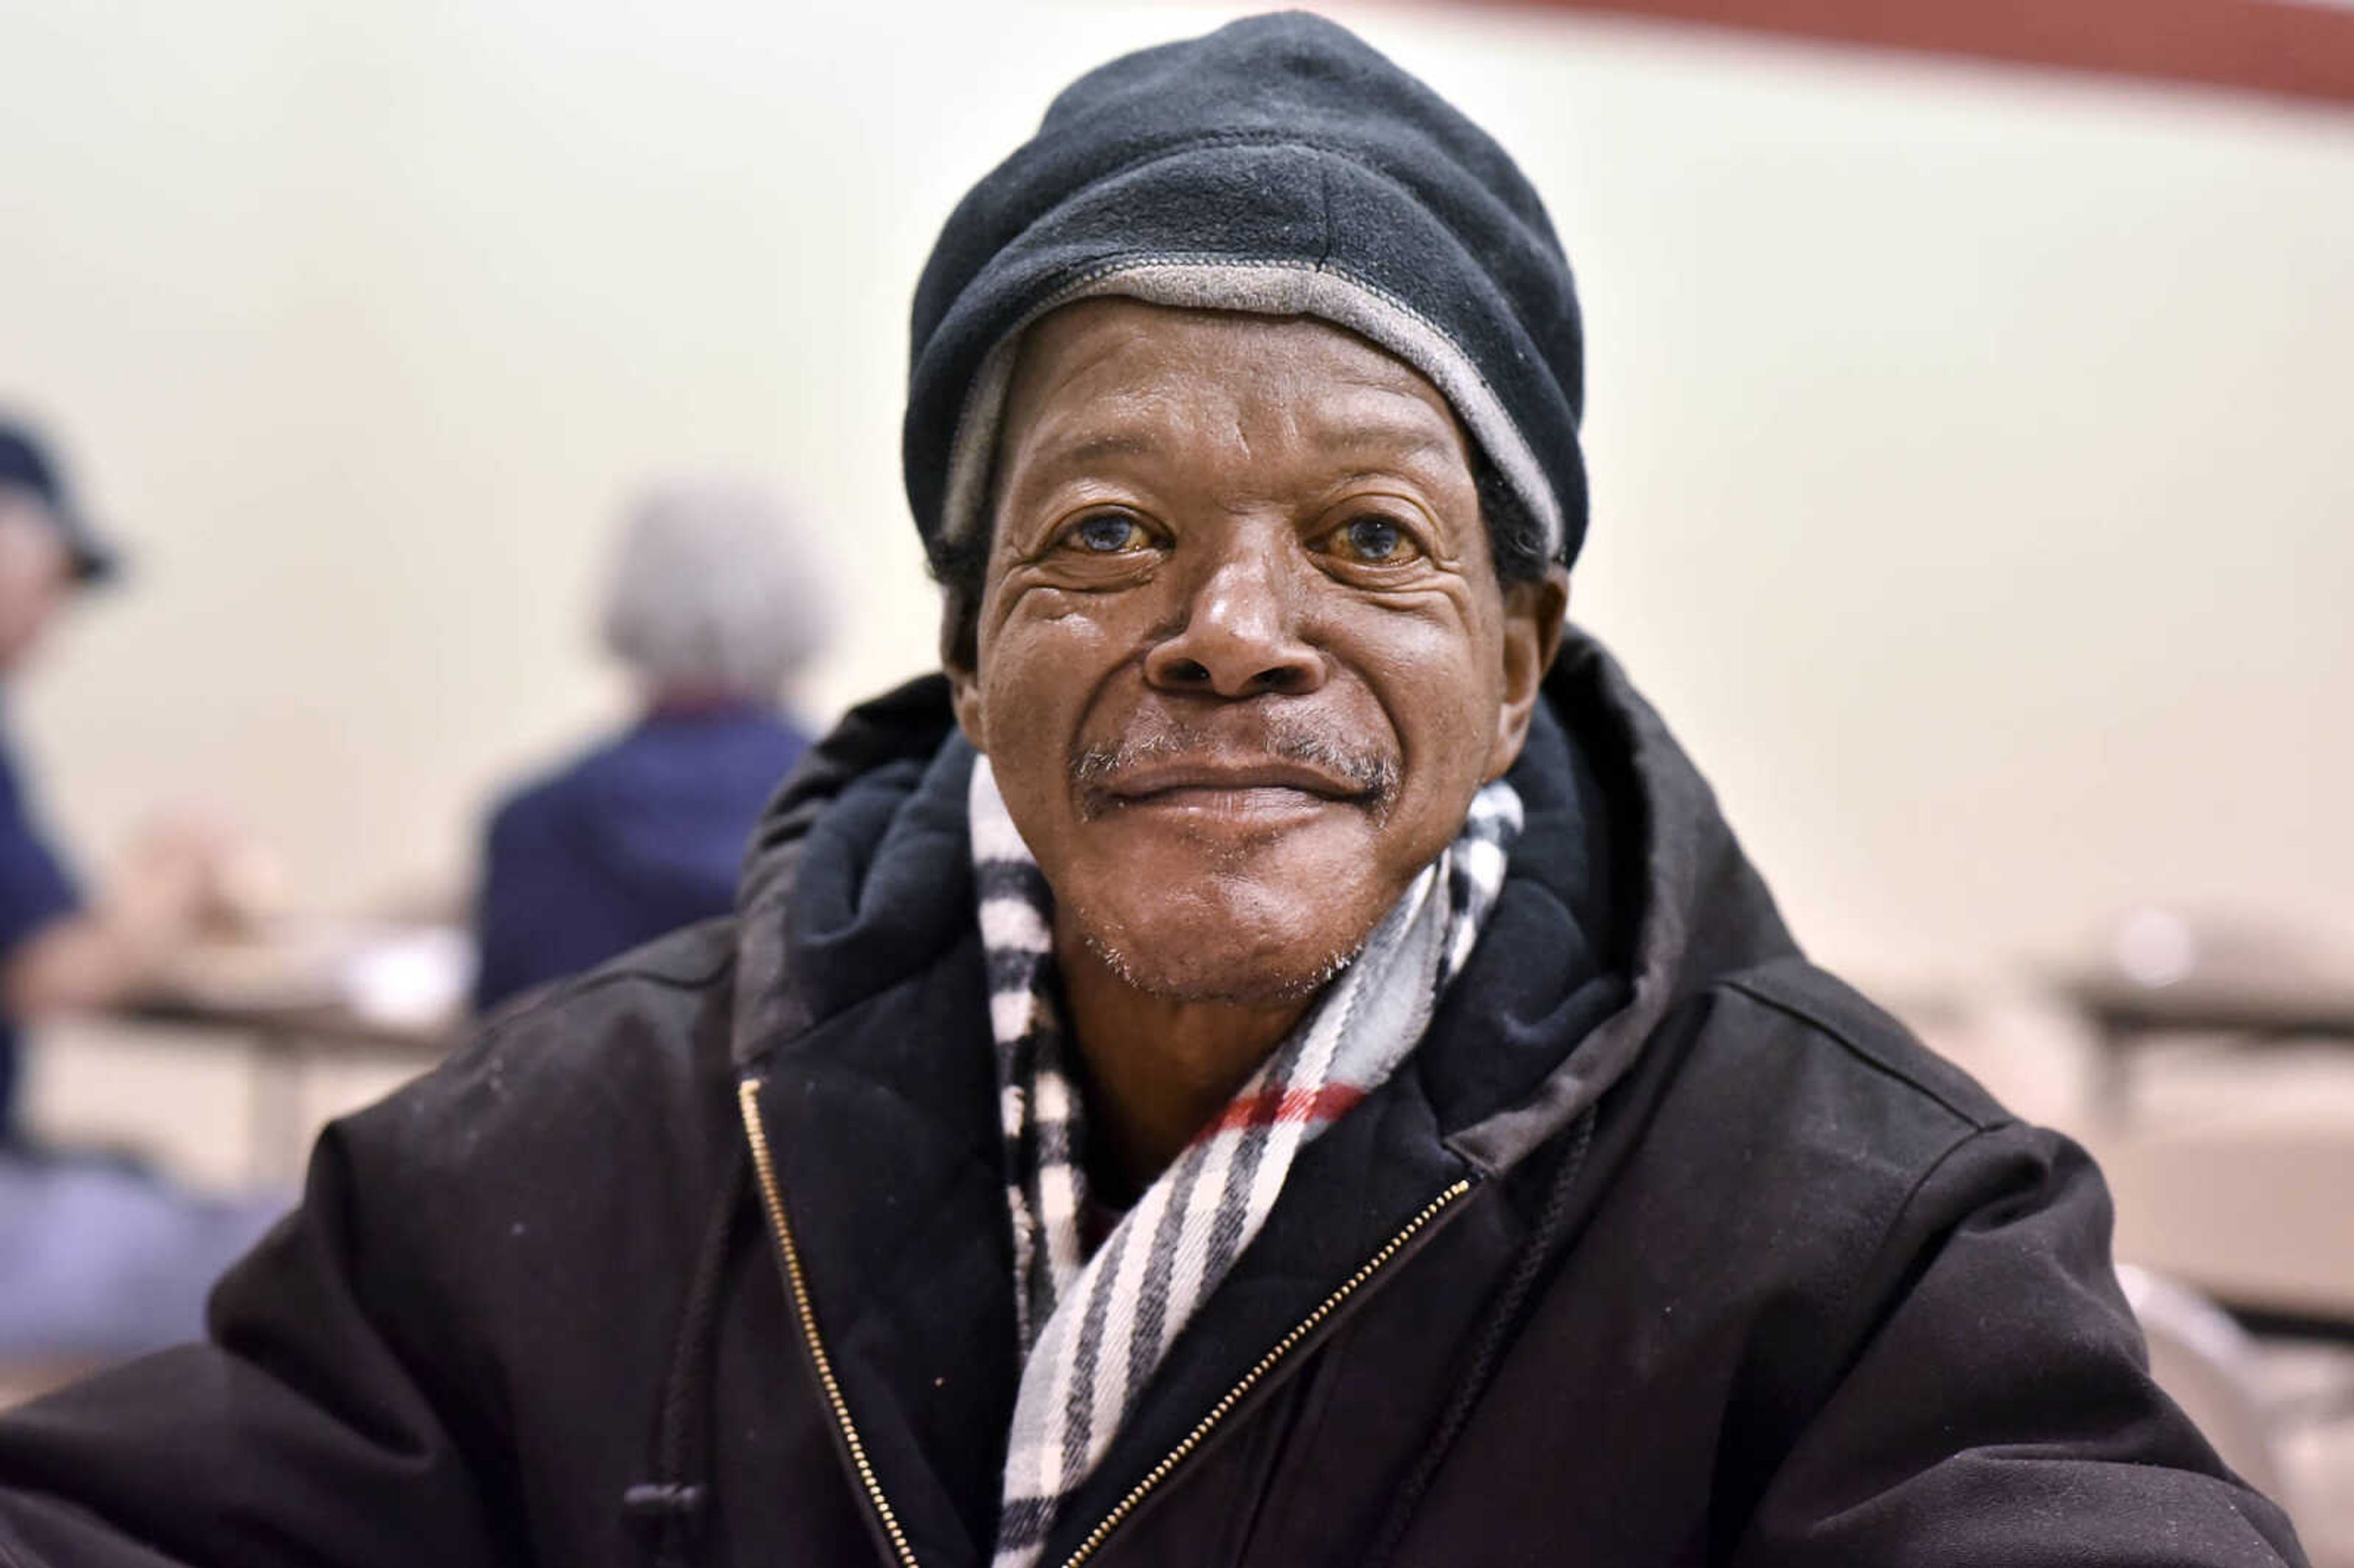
(2299, 50)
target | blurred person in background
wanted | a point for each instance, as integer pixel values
(96, 1256)
(714, 606)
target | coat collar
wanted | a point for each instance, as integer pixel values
(1625, 838)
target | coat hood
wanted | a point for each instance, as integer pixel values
(1625, 894)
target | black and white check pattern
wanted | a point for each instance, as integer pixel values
(1094, 1328)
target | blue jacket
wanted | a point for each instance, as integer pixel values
(35, 889)
(640, 836)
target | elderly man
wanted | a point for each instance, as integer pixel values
(1274, 1060)
(712, 603)
(97, 1258)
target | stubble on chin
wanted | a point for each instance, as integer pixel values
(1202, 973)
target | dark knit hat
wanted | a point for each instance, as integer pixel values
(1279, 166)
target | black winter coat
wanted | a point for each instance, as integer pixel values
(1679, 1253)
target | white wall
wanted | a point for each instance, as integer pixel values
(1968, 444)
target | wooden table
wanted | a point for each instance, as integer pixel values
(281, 1046)
(2127, 1015)
(289, 1000)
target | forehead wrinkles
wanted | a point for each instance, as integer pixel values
(1223, 389)
(1251, 429)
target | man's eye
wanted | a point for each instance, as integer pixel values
(1375, 541)
(1106, 534)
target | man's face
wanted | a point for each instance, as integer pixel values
(1243, 659)
(36, 577)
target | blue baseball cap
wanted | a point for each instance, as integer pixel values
(27, 465)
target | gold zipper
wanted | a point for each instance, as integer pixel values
(748, 1098)
(1252, 1378)
(747, 1094)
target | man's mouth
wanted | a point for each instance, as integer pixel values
(1253, 788)
(1289, 773)
(1226, 788)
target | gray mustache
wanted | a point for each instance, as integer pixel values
(1370, 773)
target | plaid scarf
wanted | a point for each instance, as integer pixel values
(1094, 1328)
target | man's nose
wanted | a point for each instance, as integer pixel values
(1240, 634)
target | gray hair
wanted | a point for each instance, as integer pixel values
(712, 586)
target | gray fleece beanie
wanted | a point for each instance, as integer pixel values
(1282, 167)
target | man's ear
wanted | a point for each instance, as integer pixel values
(964, 689)
(963, 587)
(1535, 613)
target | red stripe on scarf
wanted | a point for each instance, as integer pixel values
(1271, 1106)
